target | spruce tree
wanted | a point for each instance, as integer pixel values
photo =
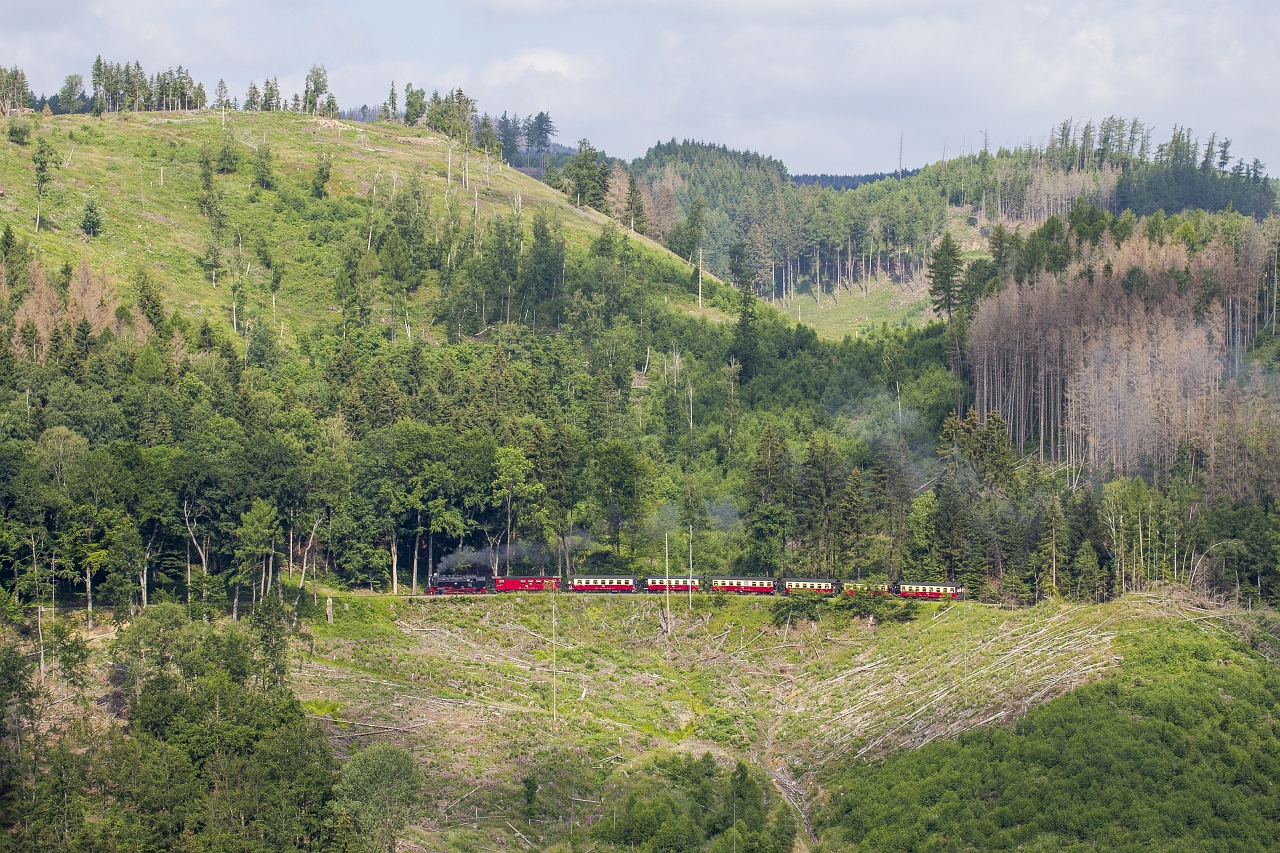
(227, 157)
(320, 178)
(852, 523)
(262, 168)
(951, 526)
(205, 159)
(818, 497)
(918, 557)
(1052, 554)
(944, 275)
(1017, 580)
(745, 335)
(770, 517)
(91, 219)
(993, 452)
(1087, 574)
(771, 477)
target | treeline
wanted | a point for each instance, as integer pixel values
(849, 182)
(526, 141)
(114, 87)
(519, 141)
(522, 142)
(124, 87)
(1174, 181)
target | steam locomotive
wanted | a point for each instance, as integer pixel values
(478, 584)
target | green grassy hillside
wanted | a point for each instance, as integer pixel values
(468, 685)
(144, 173)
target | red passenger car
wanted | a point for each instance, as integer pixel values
(665, 584)
(866, 588)
(757, 586)
(525, 584)
(816, 586)
(928, 590)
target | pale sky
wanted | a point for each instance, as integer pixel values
(825, 86)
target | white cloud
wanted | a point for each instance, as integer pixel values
(569, 68)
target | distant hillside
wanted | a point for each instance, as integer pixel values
(849, 182)
(738, 192)
(823, 234)
(801, 238)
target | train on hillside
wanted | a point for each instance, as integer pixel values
(480, 584)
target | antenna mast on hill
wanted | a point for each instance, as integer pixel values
(900, 137)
